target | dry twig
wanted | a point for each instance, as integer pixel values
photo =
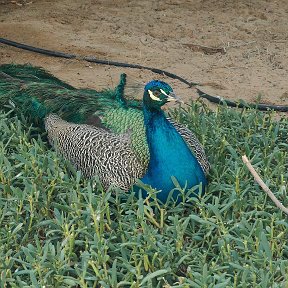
(263, 185)
(205, 49)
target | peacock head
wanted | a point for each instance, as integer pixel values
(157, 93)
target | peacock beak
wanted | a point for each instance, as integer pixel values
(173, 97)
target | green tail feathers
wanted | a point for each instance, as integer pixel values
(35, 92)
(38, 109)
(28, 73)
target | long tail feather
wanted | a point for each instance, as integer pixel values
(34, 74)
(36, 92)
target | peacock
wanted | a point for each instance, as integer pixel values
(105, 134)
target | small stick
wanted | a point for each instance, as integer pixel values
(263, 185)
(205, 49)
(241, 44)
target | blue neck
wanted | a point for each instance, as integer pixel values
(169, 156)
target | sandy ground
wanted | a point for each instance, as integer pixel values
(249, 37)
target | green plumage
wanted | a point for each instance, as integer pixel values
(120, 120)
(25, 85)
(35, 93)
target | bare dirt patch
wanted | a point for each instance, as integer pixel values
(239, 49)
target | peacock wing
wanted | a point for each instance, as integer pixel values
(95, 151)
(193, 143)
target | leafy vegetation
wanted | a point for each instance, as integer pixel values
(58, 230)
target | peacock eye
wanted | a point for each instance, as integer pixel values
(153, 95)
(156, 93)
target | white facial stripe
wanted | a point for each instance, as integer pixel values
(163, 92)
(152, 96)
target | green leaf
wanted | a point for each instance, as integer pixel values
(153, 275)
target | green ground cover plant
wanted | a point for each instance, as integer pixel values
(59, 230)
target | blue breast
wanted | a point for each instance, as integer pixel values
(169, 156)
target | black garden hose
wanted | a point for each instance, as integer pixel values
(213, 99)
(93, 59)
(260, 106)
(37, 50)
